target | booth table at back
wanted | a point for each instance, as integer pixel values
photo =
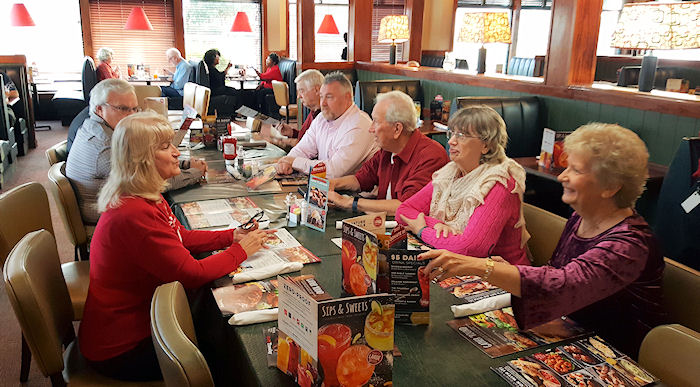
(431, 354)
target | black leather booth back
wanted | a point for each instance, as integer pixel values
(366, 91)
(432, 60)
(288, 68)
(462, 64)
(629, 75)
(524, 118)
(201, 74)
(89, 77)
(521, 66)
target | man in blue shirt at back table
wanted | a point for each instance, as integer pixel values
(181, 75)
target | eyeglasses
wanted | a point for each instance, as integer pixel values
(251, 222)
(125, 109)
(461, 137)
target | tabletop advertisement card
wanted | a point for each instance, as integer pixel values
(409, 284)
(270, 336)
(338, 342)
(470, 288)
(219, 212)
(497, 334)
(316, 203)
(552, 153)
(589, 362)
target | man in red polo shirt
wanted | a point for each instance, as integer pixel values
(308, 87)
(403, 166)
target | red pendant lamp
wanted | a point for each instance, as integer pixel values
(328, 26)
(241, 23)
(138, 20)
(19, 16)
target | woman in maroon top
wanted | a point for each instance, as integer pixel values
(105, 70)
(265, 87)
(606, 271)
(138, 245)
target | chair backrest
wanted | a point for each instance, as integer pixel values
(545, 229)
(37, 291)
(24, 209)
(682, 294)
(281, 90)
(670, 352)
(521, 66)
(188, 94)
(202, 74)
(67, 204)
(75, 125)
(201, 100)
(172, 331)
(432, 60)
(57, 153)
(288, 68)
(145, 91)
(89, 77)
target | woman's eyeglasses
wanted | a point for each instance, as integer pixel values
(461, 137)
(125, 109)
(251, 222)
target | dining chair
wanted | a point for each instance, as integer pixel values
(670, 352)
(281, 91)
(25, 209)
(681, 285)
(188, 94)
(144, 91)
(67, 203)
(41, 301)
(172, 331)
(57, 153)
(201, 100)
(545, 229)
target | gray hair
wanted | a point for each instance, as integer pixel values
(310, 78)
(486, 124)
(400, 108)
(173, 52)
(101, 91)
(104, 53)
(337, 76)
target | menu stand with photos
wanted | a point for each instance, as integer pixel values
(552, 153)
(316, 199)
(339, 342)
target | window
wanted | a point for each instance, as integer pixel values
(208, 25)
(329, 47)
(107, 19)
(608, 22)
(380, 51)
(497, 53)
(55, 43)
(533, 32)
(292, 29)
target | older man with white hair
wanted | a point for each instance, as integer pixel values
(338, 137)
(89, 160)
(308, 88)
(183, 69)
(404, 165)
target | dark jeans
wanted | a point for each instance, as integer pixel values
(167, 91)
(260, 101)
(138, 364)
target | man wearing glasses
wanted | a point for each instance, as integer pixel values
(88, 163)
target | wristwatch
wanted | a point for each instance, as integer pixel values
(354, 204)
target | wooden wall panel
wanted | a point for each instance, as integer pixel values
(179, 25)
(360, 30)
(414, 10)
(306, 43)
(85, 25)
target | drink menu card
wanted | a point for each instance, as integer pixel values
(339, 342)
(497, 334)
(589, 362)
(408, 282)
(219, 212)
(470, 288)
(282, 248)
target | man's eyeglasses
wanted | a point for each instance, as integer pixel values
(125, 109)
(461, 137)
(251, 222)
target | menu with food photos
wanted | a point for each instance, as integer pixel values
(470, 288)
(339, 342)
(207, 214)
(316, 203)
(589, 362)
(496, 332)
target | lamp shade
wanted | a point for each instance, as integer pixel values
(138, 20)
(328, 26)
(241, 23)
(485, 27)
(658, 26)
(19, 16)
(393, 29)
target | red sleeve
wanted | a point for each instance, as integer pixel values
(199, 241)
(161, 253)
(416, 204)
(368, 175)
(485, 225)
(104, 72)
(272, 74)
(422, 173)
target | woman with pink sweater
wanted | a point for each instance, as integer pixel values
(473, 204)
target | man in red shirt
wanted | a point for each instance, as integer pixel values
(403, 166)
(308, 88)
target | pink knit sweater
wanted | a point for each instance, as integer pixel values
(491, 224)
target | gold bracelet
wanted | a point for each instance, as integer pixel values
(489, 269)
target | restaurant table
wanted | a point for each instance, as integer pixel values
(243, 79)
(149, 80)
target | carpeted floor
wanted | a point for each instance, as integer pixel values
(32, 167)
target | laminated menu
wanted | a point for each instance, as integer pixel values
(470, 288)
(339, 342)
(589, 362)
(496, 332)
(316, 203)
(374, 262)
(207, 214)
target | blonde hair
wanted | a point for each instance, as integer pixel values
(617, 156)
(486, 124)
(133, 171)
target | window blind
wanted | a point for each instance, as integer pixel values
(107, 19)
(380, 51)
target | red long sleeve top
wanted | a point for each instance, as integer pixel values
(272, 74)
(137, 247)
(105, 71)
(491, 224)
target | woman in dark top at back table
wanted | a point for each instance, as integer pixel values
(217, 79)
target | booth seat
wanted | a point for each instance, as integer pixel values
(68, 103)
(222, 104)
(629, 75)
(366, 91)
(432, 60)
(288, 68)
